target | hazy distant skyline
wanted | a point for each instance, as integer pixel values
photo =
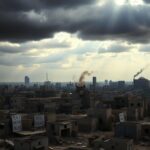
(65, 37)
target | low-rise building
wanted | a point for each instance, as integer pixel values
(58, 130)
(31, 143)
(117, 112)
(128, 130)
(103, 117)
(132, 114)
(88, 124)
(145, 129)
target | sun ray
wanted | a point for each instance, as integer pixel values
(129, 2)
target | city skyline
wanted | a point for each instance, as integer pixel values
(109, 37)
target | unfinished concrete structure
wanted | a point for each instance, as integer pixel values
(137, 104)
(58, 130)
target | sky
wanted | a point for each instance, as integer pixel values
(63, 38)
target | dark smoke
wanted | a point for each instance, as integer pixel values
(82, 77)
(138, 73)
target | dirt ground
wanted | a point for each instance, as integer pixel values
(137, 147)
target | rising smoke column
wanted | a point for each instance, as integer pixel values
(82, 77)
(139, 72)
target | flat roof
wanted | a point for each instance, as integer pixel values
(145, 123)
(27, 133)
(30, 138)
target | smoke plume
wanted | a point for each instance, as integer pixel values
(139, 72)
(82, 77)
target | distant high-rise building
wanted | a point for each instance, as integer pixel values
(47, 83)
(106, 82)
(94, 83)
(27, 81)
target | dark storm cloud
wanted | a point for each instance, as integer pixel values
(22, 22)
(146, 1)
(67, 3)
(15, 26)
(129, 23)
(26, 5)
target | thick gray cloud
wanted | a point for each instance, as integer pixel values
(146, 1)
(128, 23)
(25, 60)
(116, 48)
(15, 26)
(26, 5)
(10, 49)
(25, 47)
(34, 20)
(145, 48)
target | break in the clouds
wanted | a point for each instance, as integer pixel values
(34, 20)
